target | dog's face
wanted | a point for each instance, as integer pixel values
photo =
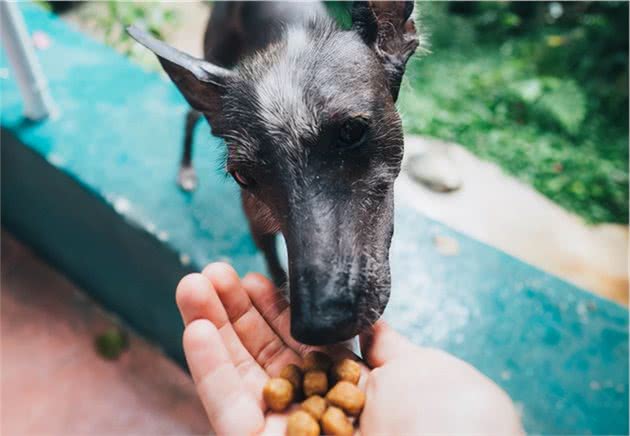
(315, 142)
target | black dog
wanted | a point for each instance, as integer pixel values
(307, 112)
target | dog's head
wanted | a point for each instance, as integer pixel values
(315, 142)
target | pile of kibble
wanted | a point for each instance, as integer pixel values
(330, 412)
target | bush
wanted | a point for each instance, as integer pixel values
(540, 88)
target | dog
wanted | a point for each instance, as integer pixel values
(307, 112)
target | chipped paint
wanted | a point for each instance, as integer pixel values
(122, 205)
(184, 259)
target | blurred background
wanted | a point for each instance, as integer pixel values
(516, 116)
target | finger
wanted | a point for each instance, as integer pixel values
(275, 424)
(275, 310)
(258, 338)
(382, 344)
(230, 406)
(198, 299)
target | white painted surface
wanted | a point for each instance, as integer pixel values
(501, 211)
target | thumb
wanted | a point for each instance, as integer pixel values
(382, 344)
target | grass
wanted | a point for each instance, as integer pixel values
(544, 129)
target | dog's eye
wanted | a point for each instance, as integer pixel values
(352, 132)
(243, 181)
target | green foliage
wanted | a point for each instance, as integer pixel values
(156, 18)
(110, 18)
(44, 4)
(565, 103)
(150, 16)
(340, 10)
(112, 343)
(545, 99)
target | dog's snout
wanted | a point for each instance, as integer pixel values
(338, 268)
(323, 313)
(320, 327)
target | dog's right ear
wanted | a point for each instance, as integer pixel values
(201, 83)
(389, 29)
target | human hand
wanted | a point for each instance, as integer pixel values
(237, 335)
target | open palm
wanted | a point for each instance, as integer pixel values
(237, 335)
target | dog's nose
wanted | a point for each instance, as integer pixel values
(323, 316)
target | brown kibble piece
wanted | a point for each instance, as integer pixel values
(315, 405)
(315, 383)
(316, 360)
(347, 396)
(348, 370)
(278, 393)
(301, 423)
(293, 373)
(336, 423)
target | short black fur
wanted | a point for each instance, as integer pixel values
(284, 94)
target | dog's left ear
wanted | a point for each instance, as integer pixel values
(388, 28)
(201, 83)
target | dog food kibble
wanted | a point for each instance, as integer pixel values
(317, 360)
(348, 370)
(336, 423)
(278, 393)
(327, 411)
(314, 405)
(347, 396)
(315, 383)
(301, 423)
(293, 373)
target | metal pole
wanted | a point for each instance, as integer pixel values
(37, 101)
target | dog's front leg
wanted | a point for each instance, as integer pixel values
(186, 178)
(267, 244)
(264, 231)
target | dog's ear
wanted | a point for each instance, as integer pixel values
(201, 83)
(389, 29)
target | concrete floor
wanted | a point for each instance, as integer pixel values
(54, 382)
